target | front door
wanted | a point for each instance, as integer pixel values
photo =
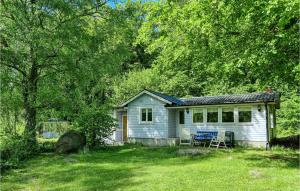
(184, 132)
(125, 128)
(181, 119)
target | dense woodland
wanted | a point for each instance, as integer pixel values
(75, 60)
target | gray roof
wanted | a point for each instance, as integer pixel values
(222, 99)
(232, 99)
(172, 99)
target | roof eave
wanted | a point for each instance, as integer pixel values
(145, 92)
(228, 103)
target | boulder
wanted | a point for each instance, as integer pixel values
(71, 141)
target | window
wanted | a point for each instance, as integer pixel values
(245, 114)
(212, 115)
(146, 115)
(181, 117)
(197, 115)
(227, 115)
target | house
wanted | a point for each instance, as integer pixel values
(154, 118)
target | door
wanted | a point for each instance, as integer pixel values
(181, 119)
(184, 132)
(125, 128)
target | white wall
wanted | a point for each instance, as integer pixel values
(157, 129)
(254, 131)
(171, 123)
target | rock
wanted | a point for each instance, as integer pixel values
(255, 173)
(71, 141)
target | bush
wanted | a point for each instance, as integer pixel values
(47, 145)
(288, 142)
(289, 116)
(96, 124)
(13, 150)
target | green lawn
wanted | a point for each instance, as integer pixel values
(143, 168)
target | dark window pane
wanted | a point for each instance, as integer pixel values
(227, 115)
(143, 114)
(149, 114)
(244, 116)
(181, 117)
(197, 116)
(212, 116)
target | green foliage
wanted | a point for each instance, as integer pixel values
(134, 82)
(96, 124)
(288, 120)
(224, 46)
(56, 127)
(47, 145)
(13, 150)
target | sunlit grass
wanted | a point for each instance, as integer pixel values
(142, 168)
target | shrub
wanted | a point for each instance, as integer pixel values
(96, 124)
(289, 116)
(288, 142)
(47, 145)
(13, 150)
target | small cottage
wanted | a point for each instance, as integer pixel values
(154, 118)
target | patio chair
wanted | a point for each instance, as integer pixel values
(219, 140)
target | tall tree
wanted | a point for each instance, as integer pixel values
(224, 46)
(41, 39)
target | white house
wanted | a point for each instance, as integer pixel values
(158, 119)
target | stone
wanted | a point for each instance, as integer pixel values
(71, 141)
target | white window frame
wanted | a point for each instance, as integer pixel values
(140, 115)
(217, 108)
(238, 115)
(232, 108)
(202, 115)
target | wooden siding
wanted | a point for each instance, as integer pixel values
(171, 123)
(158, 128)
(254, 131)
(165, 121)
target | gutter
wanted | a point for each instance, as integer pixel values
(267, 125)
(215, 105)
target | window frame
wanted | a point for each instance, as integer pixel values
(193, 111)
(217, 108)
(232, 108)
(147, 111)
(238, 115)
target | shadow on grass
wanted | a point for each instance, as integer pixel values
(269, 159)
(106, 169)
(61, 175)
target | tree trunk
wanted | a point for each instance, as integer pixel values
(30, 124)
(29, 96)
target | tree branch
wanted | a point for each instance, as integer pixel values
(16, 68)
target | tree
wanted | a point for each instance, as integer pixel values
(41, 40)
(225, 46)
(288, 121)
(96, 124)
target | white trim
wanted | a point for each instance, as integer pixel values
(148, 93)
(140, 115)
(218, 118)
(231, 122)
(238, 115)
(219, 105)
(198, 123)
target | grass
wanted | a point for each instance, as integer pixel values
(144, 168)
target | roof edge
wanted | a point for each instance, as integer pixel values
(145, 91)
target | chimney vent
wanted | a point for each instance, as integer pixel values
(268, 89)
